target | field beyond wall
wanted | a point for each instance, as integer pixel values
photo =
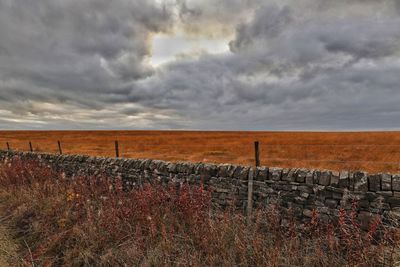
(369, 151)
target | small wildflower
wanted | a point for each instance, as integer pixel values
(62, 223)
(70, 196)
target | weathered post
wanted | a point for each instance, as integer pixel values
(250, 195)
(30, 146)
(8, 146)
(252, 171)
(59, 147)
(116, 149)
(257, 153)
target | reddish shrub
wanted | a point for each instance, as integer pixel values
(93, 221)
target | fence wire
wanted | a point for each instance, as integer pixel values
(131, 147)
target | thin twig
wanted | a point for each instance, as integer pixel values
(5, 218)
(30, 253)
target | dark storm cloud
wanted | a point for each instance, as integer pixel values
(268, 22)
(293, 65)
(66, 43)
(214, 18)
(286, 71)
(74, 54)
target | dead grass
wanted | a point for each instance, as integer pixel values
(336, 151)
(93, 222)
(8, 248)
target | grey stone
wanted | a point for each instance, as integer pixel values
(370, 196)
(308, 213)
(153, 165)
(275, 174)
(262, 174)
(285, 173)
(310, 177)
(335, 179)
(231, 170)
(337, 196)
(317, 174)
(292, 174)
(393, 201)
(386, 182)
(396, 182)
(285, 187)
(323, 209)
(374, 182)
(223, 170)
(244, 173)
(146, 164)
(360, 181)
(363, 204)
(172, 167)
(304, 195)
(335, 189)
(385, 193)
(238, 172)
(299, 200)
(209, 169)
(325, 178)
(301, 175)
(221, 190)
(331, 203)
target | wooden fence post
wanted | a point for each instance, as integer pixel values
(30, 146)
(250, 195)
(8, 146)
(59, 147)
(116, 149)
(257, 153)
(249, 209)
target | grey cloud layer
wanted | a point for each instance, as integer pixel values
(293, 65)
(79, 54)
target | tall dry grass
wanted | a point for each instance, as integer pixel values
(92, 221)
(368, 151)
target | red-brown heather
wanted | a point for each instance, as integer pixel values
(94, 222)
(368, 151)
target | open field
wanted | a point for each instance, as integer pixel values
(369, 151)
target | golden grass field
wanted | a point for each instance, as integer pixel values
(369, 151)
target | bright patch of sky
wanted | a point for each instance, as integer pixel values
(167, 48)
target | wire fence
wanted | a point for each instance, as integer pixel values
(260, 152)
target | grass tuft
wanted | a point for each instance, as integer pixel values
(90, 221)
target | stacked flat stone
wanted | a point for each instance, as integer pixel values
(300, 190)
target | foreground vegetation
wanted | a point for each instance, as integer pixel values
(54, 221)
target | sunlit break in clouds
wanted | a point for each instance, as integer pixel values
(200, 64)
(178, 46)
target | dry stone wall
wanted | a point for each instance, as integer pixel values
(302, 190)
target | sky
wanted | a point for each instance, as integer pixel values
(200, 64)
